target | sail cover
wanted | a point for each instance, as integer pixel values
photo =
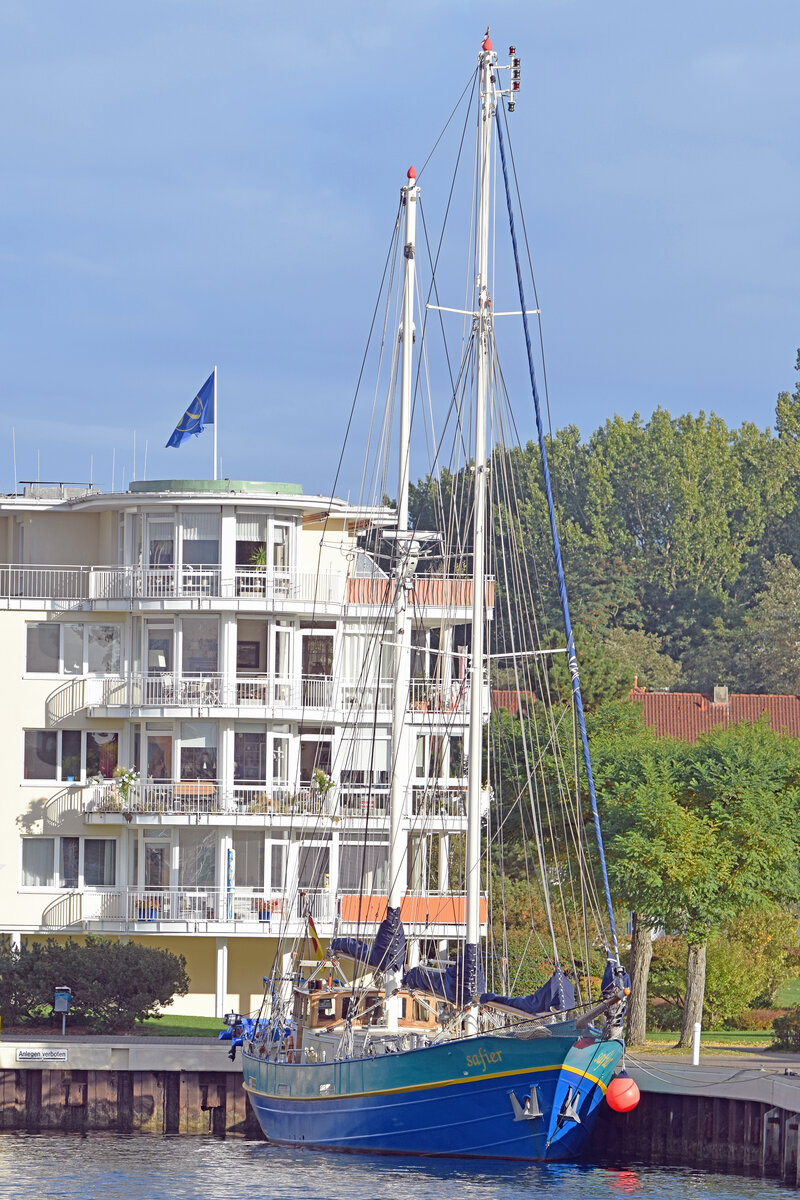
(457, 983)
(387, 952)
(614, 976)
(556, 995)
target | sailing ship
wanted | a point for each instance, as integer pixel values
(361, 1046)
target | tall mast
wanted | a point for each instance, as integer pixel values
(483, 326)
(406, 552)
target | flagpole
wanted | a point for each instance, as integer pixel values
(216, 421)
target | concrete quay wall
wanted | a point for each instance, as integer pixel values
(131, 1086)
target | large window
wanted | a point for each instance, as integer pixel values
(62, 648)
(198, 750)
(69, 862)
(364, 866)
(200, 533)
(161, 543)
(313, 866)
(197, 858)
(249, 850)
(200, 645)
(249, 757)
(69, 755)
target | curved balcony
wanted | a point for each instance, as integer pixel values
(133, 695)
(269, 911)
(64, 587)
(190, 909)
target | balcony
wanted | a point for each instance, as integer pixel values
(250, 695)
(437, 914)
(249, 910)
(185, 909)
(197, 798)
(328, 592)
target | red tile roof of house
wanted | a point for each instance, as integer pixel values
(510, 699)
(685, 715)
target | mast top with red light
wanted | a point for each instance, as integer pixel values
(489, 57)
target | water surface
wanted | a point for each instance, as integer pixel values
(179, 1168)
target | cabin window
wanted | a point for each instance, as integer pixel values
(326, 1008)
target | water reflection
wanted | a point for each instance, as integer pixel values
(148, 1168)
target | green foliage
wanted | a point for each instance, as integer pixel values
(787, 1030)
(113, 983)
(677, 529)
(603, 674)
(746, 963)
(641, 657)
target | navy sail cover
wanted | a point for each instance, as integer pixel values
(557, 995)
(387, 952)
(458, 983)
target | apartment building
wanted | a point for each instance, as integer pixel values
(215, 639)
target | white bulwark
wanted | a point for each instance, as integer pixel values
(213, 639)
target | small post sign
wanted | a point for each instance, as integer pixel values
(61, 1003)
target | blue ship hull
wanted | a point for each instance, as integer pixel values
(451, 1099)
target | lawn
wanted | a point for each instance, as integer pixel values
(789, 995)
(173, 1025)
(725, 1039)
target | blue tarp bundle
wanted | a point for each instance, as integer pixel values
(614, 976)
(457, 983)
(558, 995)
(387, 952)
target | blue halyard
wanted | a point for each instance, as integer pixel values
(562, 586)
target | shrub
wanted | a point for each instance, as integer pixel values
(756, 1018)
(113, 983)
(787, 1030)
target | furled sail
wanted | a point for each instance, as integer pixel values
(387, 952)
(458, 983)
(557, 995)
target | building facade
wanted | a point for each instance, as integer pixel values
(215, 641)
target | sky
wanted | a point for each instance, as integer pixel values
(186, 183)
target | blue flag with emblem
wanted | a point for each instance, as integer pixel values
(199, 414)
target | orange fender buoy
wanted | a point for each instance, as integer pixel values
(622, 1093)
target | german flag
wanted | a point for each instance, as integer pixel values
(316, 945)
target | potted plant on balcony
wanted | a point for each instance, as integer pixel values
(321, 783)
(127, 778)
(258, 561)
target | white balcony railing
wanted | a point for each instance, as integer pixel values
(429, 695)
(197, 797)
(44, 583)
(280, 586)
(188, 905)
(169, 690)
